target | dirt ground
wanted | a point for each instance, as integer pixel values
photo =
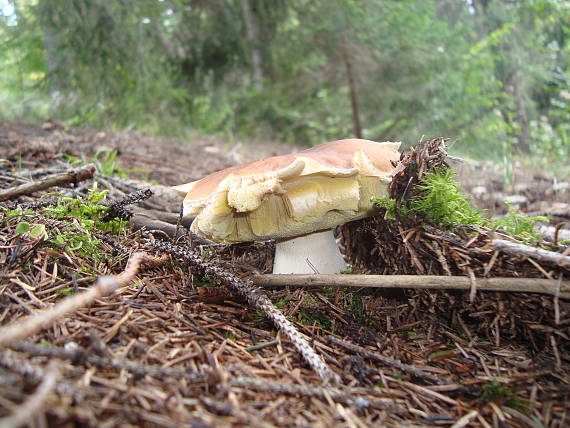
(170, 348)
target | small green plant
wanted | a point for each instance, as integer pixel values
(34, 231)
(357, 307)
(68, 291)
(89, 214)
(317, 318)
(520, 226)
(89, 211)
(281, 303)
(328, 292)
(207, 254)
(262, 319)
(104, 160)
(229, 335)
(77, 242)
(496, 392)
(15, 213)
(22, 227)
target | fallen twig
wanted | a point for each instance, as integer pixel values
(138, 221)
(346, 395)
(414, 371)
(523, 285)
(105, 285)
(465, 419)
(118, 207)
(72, 176)
(81, 355)
(167, 217)
(257, 299)
(35, 402)
(515, 249)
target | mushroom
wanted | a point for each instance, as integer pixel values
(296, 199)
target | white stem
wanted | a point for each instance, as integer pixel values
(313, 253)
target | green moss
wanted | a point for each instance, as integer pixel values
(75, 241)
(439, 200)
(329, 292)
(281, 303)
(389, 205)
(519, 226)
(312, 317)
(88, 214)
(357, 307)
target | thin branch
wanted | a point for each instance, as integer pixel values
(258, 300)
(166, 216)
(465, 420)
(72, 176)
(105, 286)
(138, 221)
(118, 207)
(515, 249)
(414, 371)
(82, 356)
(521, 285)
(350, 396)
(31, 407)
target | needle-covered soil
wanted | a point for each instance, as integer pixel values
(174, 346)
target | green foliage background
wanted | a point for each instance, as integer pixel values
(493, 75)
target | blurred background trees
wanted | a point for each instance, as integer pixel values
(493, 75)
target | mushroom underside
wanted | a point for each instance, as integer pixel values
(312, 253)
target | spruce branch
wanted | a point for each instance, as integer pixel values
(257, 298)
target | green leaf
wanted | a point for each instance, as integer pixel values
(22, 227)
(39, 231)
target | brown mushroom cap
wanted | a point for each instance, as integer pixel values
(290, 195)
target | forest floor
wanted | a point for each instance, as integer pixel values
(170, 348)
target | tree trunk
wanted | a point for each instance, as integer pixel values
(352, 93)
(522, 118)
(53, 53)
(252, 37)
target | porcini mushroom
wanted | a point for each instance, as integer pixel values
(296, 199)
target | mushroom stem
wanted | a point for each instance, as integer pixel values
(315, 252)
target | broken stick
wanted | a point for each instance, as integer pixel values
(414, 371)
(521, 285)
(72, 176)
(515, 249)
